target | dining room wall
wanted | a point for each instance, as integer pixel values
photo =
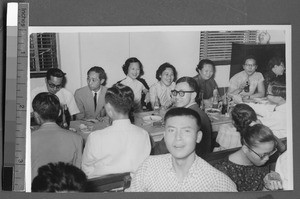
(80, 51)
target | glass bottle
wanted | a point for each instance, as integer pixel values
(215, 102)
(246, 88)
(66, 117)
(156, 106)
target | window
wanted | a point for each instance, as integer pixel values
(216, 45)
(43, 53)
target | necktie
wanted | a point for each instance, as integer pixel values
(95, 100)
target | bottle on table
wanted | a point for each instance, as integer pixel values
(66, 117)
(246, 88)
(215, 102)
(225, 105)
(156, 106)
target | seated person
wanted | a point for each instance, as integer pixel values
(276, 72)
(133, 69)
(274, 115)
(60, 178)
(51, 143)
(181, 170)
(166, 74)
(54, 82)
(145, 105)
(121, 147)
(246, 167)
(205, 80)
(185, 94)
(248, 83)
(229, 136)
(90, 99)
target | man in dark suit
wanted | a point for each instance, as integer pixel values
(90, 98)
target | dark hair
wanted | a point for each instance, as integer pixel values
(162, 68)
(258, 133)
(58, 177)
(192, 83)
(55, 72)
(278, 89)
(121, 97)
(181, 111)
(243, 115)
(132, 60)
(47, 105)
(275, 61)
(100, 71)
(249, 57)
(205, 61)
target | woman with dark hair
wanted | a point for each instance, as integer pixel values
(246, 167)
(166, 74)
(205, 80)
(133, 69)
(229, 135)
(276, 68)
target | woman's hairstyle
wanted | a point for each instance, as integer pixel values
(181, 111)
(132, 60)
(121, 97)
(205, 61)
(59, 177)
(258, 133)
(162, 68)
(243, 115)
(275, 61)
(47, 105)
(192, 83)
(278, 89)
(100, 71)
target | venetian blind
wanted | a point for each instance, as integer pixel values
(43, 52)
(216, 45)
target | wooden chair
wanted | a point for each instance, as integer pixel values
(109, 183)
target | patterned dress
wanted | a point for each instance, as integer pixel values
(246, 178)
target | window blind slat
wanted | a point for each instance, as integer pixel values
(217, 45)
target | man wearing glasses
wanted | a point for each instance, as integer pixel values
(248, 83)
(54, 83)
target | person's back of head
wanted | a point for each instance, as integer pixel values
(120, 97)
(59, 177)
(47, 106)
(243, 115)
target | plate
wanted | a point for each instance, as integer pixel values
(152, 118)
(212, 111)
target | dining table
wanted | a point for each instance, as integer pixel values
(151, 121)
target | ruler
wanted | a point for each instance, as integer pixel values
(16, 87)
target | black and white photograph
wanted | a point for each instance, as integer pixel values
(159, 109)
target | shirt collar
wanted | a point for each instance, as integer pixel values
(121, 122)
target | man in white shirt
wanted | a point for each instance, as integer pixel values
(181, 170)
(54, 83)
(121, 147)
(90, 98)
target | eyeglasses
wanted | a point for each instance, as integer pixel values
(262, 156)
(55, 86)
(250, 65)
(181, 93)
